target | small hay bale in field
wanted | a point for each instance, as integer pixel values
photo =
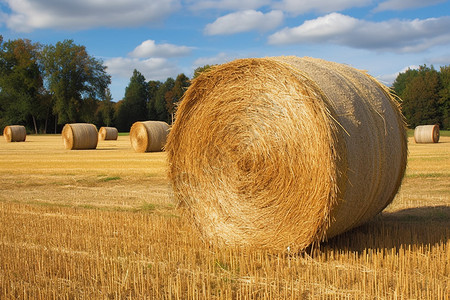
(108, 133)
(79, 136)
(284, 151)
(148, 136)
(426, 134)
(15, 133)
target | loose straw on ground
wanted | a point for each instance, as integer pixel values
(284, 151)
(426, 134)
(149, 136)
(108, 133)
(78, 136)
(15, 133)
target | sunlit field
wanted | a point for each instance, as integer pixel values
(102, 224)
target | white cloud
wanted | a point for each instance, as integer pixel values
(392, 36)
(405, 4)
(149, 48)
(243, 21)
(151, 68)
(388, 79)
(27, 15)
(297, 7)
(443, 60)
(220, 58)
(226, 4)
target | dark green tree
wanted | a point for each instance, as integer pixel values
(106, 110)
(153, 87)
(21, 84)
(424, 96)
(134, 105)
(180, 86)
(421, 98)
(444, 97)
(161, 100)
(73, 76)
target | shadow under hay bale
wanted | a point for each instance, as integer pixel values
(15, 133)
(108, 133)
(426, 134)
(149, 136)
(285, 151)
(80, 136)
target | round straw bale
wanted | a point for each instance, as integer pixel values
(284, 151)
(426, 134)
(79, 136)
(149, 136)
(15, 133)
(108, 133)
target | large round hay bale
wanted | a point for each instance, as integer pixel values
(285, 151)
(426, 134)
(78, 136)
(108, 133)
(15, 133)
(149, 136)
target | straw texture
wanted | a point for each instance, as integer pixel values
(78, 136)
(149, 136)
(426, 134)
(15, 133)
(284, 151)
(108, 133)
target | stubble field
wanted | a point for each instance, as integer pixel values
(102, 224)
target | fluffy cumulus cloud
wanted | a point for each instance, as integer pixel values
(220, 58)
(226, 4)
(149, 48)
(297, 7)
(27, 15)
(405, 4)
(392, 35)
(151, 68)
(246, 20)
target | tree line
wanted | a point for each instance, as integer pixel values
(425, 96)
(46, 86)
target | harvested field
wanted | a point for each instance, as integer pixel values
(99, 224)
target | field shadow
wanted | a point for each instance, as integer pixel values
(407, 227)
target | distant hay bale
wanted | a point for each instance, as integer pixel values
(284, 151)
(79, 136)
(15, 133)
(108, 133)
(426, 134)
(149, 136)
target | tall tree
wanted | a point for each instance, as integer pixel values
(180, 86)
(444, 97)
(153, 87)
(134, 106)
(106, 109)
(162, 96)
(420, 98)
(21, 84)
(73, 76)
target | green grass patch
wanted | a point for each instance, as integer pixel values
(109, 178)
(123, 133)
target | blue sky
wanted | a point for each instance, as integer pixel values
(162, 38)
